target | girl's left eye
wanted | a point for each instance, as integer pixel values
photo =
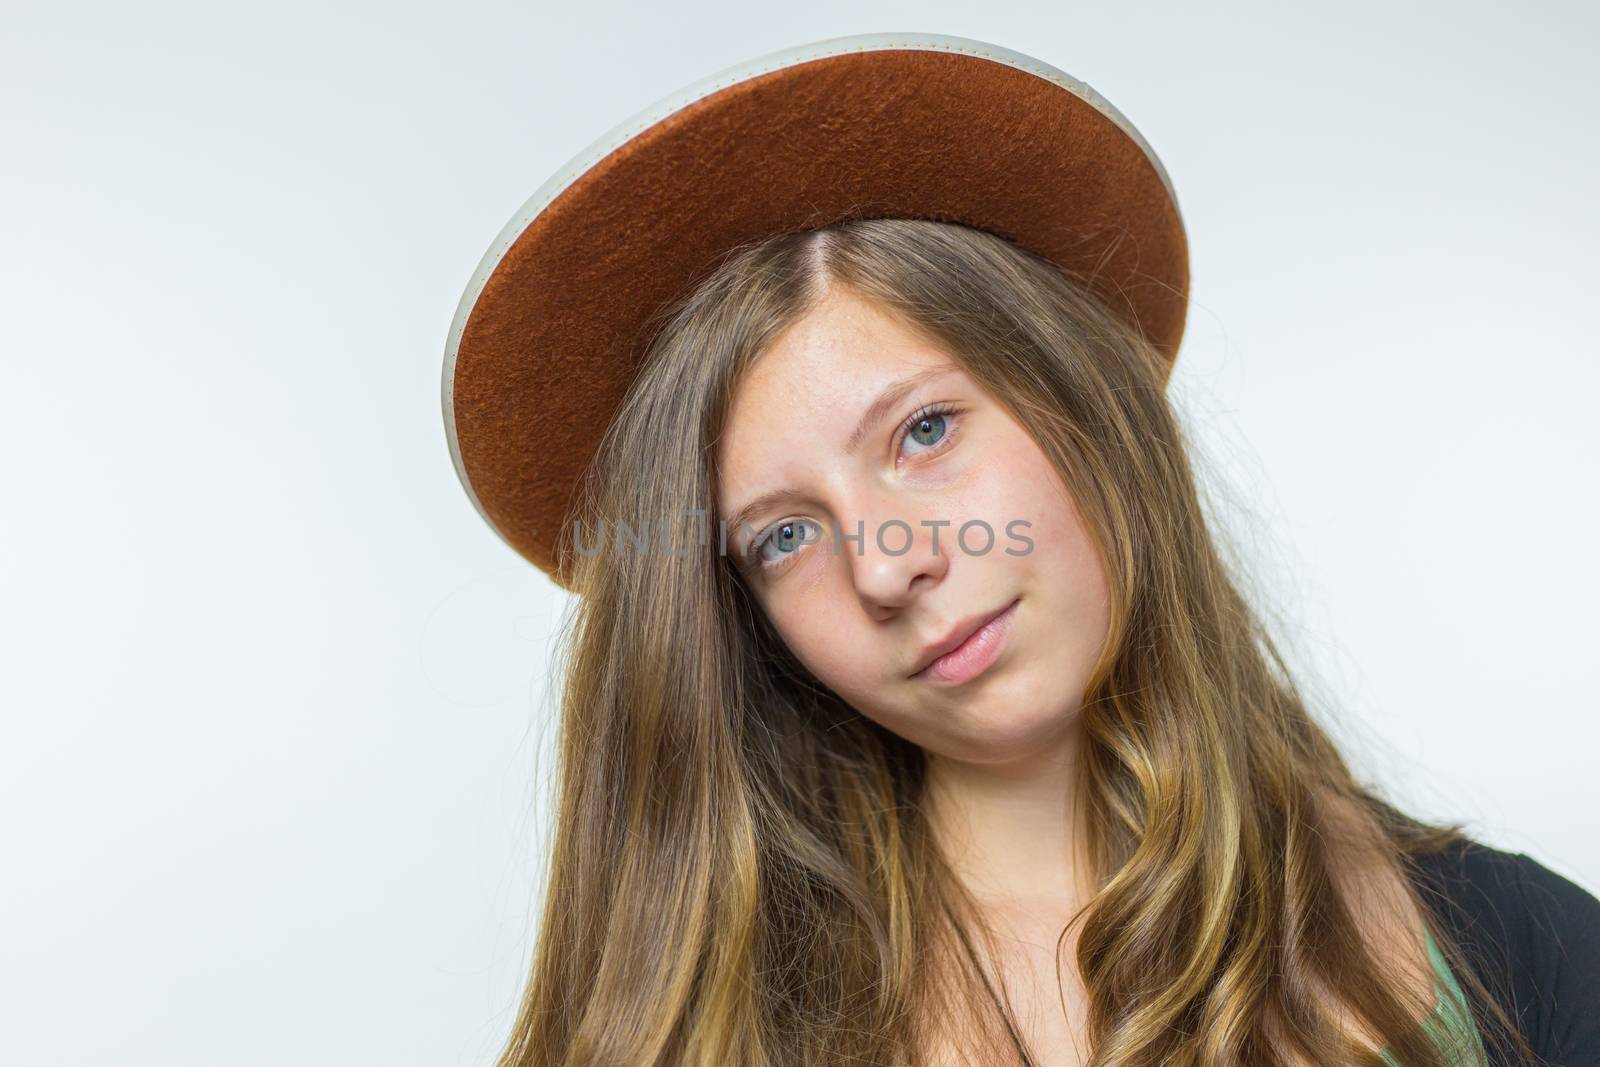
(931, 428)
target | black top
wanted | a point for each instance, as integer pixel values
(1532, 936)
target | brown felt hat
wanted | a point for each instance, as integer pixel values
(907, 125)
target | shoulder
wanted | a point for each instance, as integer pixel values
(1534, 936)
(1563, 946)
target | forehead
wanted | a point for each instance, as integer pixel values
(801, 399)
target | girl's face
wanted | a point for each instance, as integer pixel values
(852, 425)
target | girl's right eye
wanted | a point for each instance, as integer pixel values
(786, 537)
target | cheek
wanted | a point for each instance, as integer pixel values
(1017, 482)
(843, 661)
(1064, 565)
(840, 660)
(1077, 596)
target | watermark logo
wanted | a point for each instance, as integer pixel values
(893, 537)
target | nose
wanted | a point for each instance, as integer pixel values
(894, 556)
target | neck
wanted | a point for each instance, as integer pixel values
(1010, 828)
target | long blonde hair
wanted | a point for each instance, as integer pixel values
(742, 871)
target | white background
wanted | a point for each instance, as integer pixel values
(275, 723)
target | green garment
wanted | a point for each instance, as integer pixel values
(1450, 1022)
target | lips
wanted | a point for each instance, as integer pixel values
(956, 637)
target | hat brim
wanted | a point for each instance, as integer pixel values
(550, 330)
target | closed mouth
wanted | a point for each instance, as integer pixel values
(942, 657)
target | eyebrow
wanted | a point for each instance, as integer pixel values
(887, 400)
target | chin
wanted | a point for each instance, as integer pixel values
(1012, 718)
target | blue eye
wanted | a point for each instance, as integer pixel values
(928, 427)
(786, 537)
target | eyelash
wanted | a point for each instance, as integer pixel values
(927, 411)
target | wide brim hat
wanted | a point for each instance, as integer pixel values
(553, 324)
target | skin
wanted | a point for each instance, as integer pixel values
(1001, 747)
